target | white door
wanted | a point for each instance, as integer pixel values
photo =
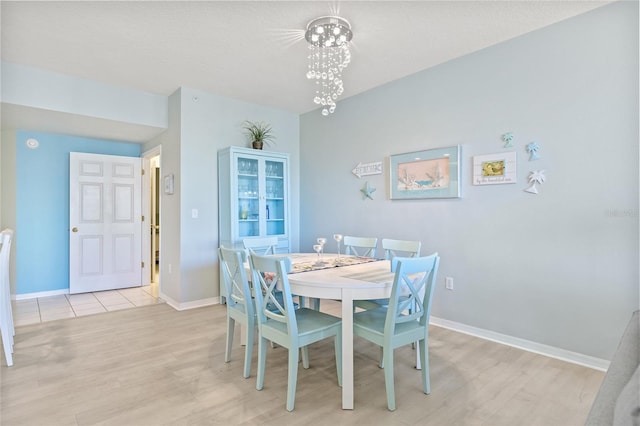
(105, 222)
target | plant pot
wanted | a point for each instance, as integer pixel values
(257, 144)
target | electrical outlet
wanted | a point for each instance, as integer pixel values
(448, 283)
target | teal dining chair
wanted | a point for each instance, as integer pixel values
(392, 249)
(397, 325)
(261, 245)
(281, 323)
(360, 246)
(403, 248)
(240, 304)
(265, 246)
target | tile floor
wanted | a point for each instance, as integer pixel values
(42, 309)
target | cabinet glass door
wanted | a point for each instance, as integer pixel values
(248, 200)
(275, 197)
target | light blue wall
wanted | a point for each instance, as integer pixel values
(42, 206)
(559, 268)
(209, 124)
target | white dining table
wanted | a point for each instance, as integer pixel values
(364, 281)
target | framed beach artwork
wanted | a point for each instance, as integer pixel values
(494, 169)
(434, 173)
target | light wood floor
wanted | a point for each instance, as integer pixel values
(156, 366)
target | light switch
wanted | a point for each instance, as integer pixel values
(194, 213)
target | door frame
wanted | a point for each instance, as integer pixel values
(146, 211)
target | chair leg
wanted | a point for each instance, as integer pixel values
(338, 348)
(7, 344)
(293, 378)
(248, 350)
(305, 357)
(315, 303)
(424, 358)
(418, 358)
(230, 330)
(262, 359)
(388, 378)
(302, 302)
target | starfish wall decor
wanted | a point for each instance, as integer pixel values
(367, 191)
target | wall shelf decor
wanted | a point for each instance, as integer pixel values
(434, 173)
(494, 169)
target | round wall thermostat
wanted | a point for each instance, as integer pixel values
(32, 143)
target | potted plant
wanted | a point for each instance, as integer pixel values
(259, 133)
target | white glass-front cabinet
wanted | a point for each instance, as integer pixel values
(253, 196)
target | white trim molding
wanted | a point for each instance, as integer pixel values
(25, 296)
(178, 306)
(527, 345)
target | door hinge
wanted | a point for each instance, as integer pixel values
(142, 264)
(142, 171)
(143, 218)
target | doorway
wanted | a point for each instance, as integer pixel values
(151, 196)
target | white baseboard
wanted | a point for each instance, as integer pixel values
(178, 306)
(25, 296)
(527, 345)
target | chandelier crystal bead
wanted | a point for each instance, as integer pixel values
(329, 55)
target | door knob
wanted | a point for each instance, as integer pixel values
(74, 229)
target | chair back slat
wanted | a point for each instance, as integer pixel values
(360, 246)
(272, 291)
(412, 290)
(235, 278)
(261, 245)
(402, 248)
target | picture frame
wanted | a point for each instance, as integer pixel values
(168, 184)
(433, 173)
(495, 169)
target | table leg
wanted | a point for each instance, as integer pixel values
(347, 350)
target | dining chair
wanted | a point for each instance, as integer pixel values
(7, 326)
(261, 245)
(403, 248)
(265, 246)
(392, 249)
(291, 328)
(396, 326)
(360, 246)
(240, 304)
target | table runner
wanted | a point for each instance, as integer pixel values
(327, 263)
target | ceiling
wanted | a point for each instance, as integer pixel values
(252, 51)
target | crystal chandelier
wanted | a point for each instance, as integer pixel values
(328, 38)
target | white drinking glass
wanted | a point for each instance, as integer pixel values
(318, 248)
(338, 238)
(322, 241)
